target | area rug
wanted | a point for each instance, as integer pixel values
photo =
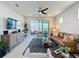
(36, 46)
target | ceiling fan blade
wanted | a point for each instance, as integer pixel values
(44, 13)
(45, 9)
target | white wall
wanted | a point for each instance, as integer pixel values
(6, 12)
(70, 19)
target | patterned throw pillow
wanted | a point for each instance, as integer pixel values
(60, 35)
(71, 37)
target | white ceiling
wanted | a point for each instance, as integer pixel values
(30, 8)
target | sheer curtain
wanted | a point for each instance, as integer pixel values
(34, 25)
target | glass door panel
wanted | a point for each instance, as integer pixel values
(41, 27)
(39, 33)
(45, 30)
(40, 23)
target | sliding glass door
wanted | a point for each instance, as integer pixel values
(45, 30)
(41, 28)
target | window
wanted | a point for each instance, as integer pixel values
(61, 20)
(34, 25)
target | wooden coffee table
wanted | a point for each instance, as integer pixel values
(57, 55)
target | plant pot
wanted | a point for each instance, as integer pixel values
(65, 55)
(2, 53)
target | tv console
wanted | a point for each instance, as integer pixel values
(12, 39)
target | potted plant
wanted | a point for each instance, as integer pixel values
(25, 30)
(65, 51)
(3, 49)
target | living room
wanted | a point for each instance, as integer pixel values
(39, 29)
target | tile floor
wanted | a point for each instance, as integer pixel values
(18, 50)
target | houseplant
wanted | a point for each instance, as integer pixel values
(65, 51)
(3, 49)
(25, 30)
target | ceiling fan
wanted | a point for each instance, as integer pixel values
(43, 10)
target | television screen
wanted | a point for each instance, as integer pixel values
(18, 25)
(11, 23)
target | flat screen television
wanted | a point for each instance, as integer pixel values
(11, 23)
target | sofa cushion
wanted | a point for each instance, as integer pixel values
(61, 34)
(76, 37)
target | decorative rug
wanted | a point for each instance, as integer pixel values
(36, 46)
